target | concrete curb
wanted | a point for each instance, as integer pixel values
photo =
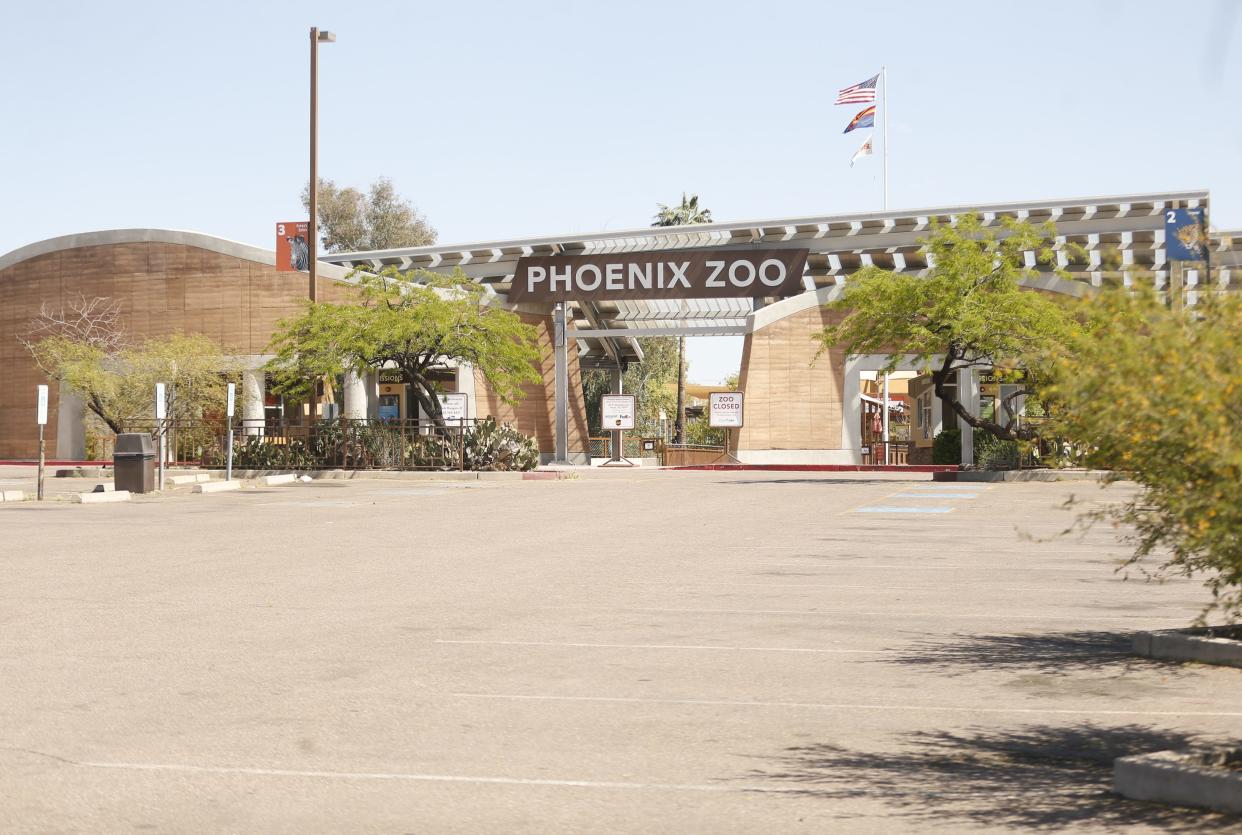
(1210, 780)
(273, 480)
(388, 475)
(217, 486)
(193, 478)
(1188, 645)
(12, 496)
(1023, 475)
(101, 498)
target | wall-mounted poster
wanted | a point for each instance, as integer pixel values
(293, 246)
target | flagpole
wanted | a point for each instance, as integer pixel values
(884, 107)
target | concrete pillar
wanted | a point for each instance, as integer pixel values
(354, 396)
(968, 395)
(937, 415)
(851, 412)
(70, 425)
(465, 385)
(560, 344)
(254, 390)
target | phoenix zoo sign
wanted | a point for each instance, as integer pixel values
(694, 274)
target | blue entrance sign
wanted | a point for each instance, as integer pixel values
(1185, 234)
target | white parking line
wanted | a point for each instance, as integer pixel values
(845, 705)
(934, 496)
(437, 778)
(1005, 616)
(667, 646)
(894, 509)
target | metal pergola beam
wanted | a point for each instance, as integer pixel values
(638, 333)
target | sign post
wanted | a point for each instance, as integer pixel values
(228, 467)
(725, 410)
(41, 417)
(161, 411)
(617, 415)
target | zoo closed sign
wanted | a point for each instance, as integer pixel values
(724, 408)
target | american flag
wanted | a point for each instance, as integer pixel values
(861, 92)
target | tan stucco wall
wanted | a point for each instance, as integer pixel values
(789, 403)
(535, 414)
(163, 288)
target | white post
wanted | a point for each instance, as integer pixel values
(968, 396)
(888, 459)
(884, 108)
(229, 407)
(253, 394)
(354, 395)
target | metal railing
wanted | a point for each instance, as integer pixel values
(335, 443)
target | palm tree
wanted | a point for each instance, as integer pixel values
(686, 214)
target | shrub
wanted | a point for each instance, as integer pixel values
(1155, 395)
(494, 446)
(947, 447)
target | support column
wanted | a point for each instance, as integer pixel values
(354, 395)
(70, 425)
(615, 377)
(968, 392)
(851, 412)
(888, 458)
(254, 389)
(465, 385)
(560, 344)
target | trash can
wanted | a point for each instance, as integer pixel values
(133, 462)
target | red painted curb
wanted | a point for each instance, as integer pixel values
(56, 463)
(828, 468)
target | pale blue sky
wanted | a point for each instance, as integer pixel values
(509, 119)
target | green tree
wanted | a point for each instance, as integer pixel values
(413, 323)
(1155, 395)
(648, 381)
(969, 311)
(688, 212)
(117, 383)
(380, 219)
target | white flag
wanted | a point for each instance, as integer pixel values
(864, 151)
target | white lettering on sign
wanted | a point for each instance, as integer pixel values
(41, 418)
(724, 408)
(780, 273)
(617, 411)
(728, 275)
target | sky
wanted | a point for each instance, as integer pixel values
(502, 120)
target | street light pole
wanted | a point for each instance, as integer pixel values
(316, 37)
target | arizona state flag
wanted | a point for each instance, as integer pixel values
(864, 119)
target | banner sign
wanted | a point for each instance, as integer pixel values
(230, 397)
(161, 406)
(1185, 234)
(692, 274)
(293, 246)
(617, 412)
(454, 406)
(724, 408)
(41, 413)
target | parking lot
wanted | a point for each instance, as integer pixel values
(627, 651)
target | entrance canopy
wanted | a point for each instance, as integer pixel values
(838, 245)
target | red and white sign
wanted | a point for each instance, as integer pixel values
(724, 408)
(293, 246)
(617, 411)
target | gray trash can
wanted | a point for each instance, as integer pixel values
(133, 462)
